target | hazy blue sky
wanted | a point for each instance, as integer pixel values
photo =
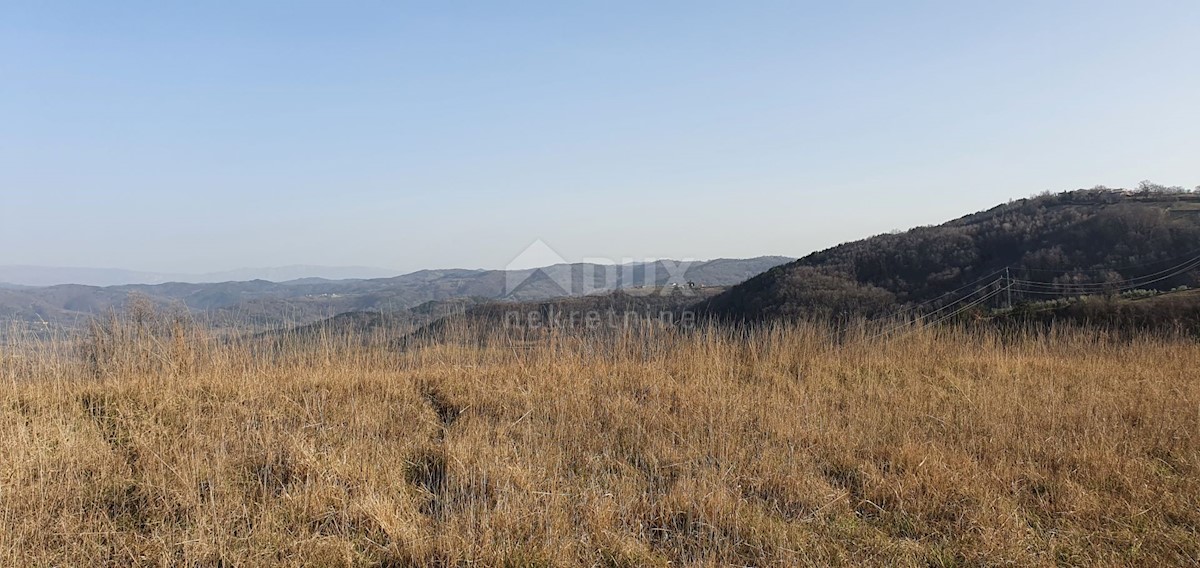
(197, 136)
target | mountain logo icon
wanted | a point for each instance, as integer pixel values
(537, 262)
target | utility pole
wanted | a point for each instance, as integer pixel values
(1008, 286)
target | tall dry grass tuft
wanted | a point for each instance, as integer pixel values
(149, 441)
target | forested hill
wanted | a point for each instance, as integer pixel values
(1086, 241)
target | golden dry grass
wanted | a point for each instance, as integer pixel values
(154, 444)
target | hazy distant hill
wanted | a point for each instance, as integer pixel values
(265, 304)
(1087, 241)
(57, 275)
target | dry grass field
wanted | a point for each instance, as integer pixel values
(151, 443)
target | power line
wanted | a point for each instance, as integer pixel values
(919, 319)
(952, 292)
(1190, 254)
(915, 307)
(994, 293)
(1102, 286)
(1029, 287)
(949, 316)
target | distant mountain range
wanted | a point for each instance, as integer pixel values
(1096, 243)
(55, 275)
(262, 304)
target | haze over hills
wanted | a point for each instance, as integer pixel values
(1085, 242)
(261, 303)
(24, 275)
(1052, 246)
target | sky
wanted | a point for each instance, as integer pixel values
(207, 136)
